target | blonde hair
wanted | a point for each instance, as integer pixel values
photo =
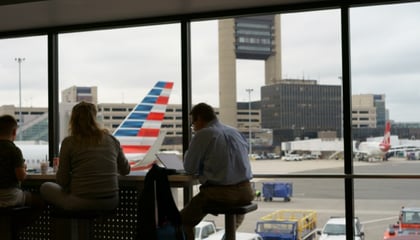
(83, 125)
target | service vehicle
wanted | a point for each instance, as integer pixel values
(408, 224)
(288, 225)
(205, 229)
(292, 157)
(238, 236)
(335, 228)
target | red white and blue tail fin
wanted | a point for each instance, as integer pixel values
(139, 134)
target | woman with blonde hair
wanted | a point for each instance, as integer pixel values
(90, 161)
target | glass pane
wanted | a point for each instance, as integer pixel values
(315, 201)
(118, 69)
(204, 61)
(285, 97)
(384, 75)
(24, 95)
(378, 203)
(265, 76)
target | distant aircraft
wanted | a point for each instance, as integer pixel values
(376, 150)
(411, 152)
(140, 132)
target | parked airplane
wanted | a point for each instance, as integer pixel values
(373, 149)
(140, 132)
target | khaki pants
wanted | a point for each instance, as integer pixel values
(192, 214)
(12, 197)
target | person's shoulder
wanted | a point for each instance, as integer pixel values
(69, 142)
(111, 139)
(67, 139)
(10, 146)
(7, 144)
(228, 128)
(207, 131)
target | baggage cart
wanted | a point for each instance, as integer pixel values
(277, 189)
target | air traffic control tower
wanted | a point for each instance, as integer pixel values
(256, 38)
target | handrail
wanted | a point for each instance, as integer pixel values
(343, 176)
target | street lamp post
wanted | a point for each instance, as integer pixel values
(20, 60)
(249, 90)
(341, 110)
(303, 132)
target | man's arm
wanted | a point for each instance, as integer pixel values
(20, 173)
(20, 167)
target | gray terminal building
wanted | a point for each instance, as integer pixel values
(300, 109)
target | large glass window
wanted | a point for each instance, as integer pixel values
(384, 74)
(292, 94)
(23, 93)
(118, 69)
(277, 78)
(285, 97)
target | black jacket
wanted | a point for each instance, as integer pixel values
(167, 211)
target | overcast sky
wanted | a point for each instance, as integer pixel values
(125, 63)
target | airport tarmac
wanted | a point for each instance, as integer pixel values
(326, 196)
(283, 167)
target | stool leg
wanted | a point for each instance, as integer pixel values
(83, 227)
(6, 228)
(230, 231)
(62, 229)
(72, 229)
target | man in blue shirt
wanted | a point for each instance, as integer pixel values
(218, 155)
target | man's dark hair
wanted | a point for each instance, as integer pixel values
(7, 124)
(204, 111)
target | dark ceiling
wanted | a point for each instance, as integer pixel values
(30, 15)
(21, 14)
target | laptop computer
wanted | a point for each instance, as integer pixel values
(171, 162)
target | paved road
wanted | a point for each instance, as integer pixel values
(377, 201)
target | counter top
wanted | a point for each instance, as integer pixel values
(133, 176)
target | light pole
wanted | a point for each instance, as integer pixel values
(341, 110)
(20, 60)
(303, 132)
(249, 90)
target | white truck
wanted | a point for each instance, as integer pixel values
(335, 228)
(238, 236)
(205, 229)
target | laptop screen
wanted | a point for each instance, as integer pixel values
(170, 161)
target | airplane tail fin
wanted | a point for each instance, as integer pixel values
(139, 132)
(149, 158)
(386, 141)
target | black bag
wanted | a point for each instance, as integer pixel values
(158, 215)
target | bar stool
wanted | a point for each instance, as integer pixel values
(75, 225)
(7, 214)
(230, 216)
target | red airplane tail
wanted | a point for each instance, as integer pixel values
(385, 145)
